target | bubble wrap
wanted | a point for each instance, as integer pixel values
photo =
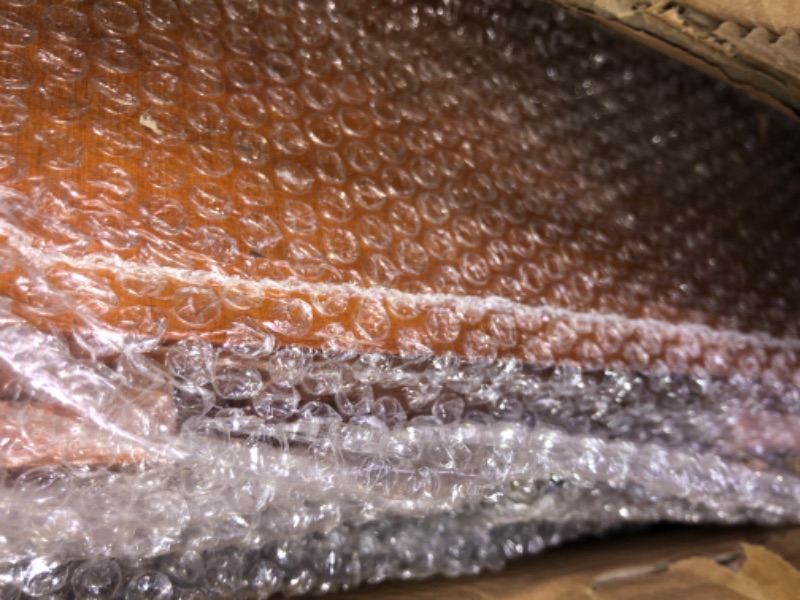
(300, 295)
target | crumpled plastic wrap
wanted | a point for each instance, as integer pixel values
(300, 295)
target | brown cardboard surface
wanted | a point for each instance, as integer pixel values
(753, 44)
(779, 16)
(685, 563)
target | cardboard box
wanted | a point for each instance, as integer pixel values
(680, 563)
(751, 44)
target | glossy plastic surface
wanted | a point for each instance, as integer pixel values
(299, 295)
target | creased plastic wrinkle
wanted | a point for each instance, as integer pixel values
(296, 296)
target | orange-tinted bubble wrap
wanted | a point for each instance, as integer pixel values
(297, 295)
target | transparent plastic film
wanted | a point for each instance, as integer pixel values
(300, 295)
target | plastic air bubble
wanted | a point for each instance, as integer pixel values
(296, 296)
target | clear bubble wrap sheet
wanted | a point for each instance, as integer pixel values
(300, 295)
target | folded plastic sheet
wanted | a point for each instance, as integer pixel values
(296, 296)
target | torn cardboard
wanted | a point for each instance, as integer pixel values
(753, 45)
(735, 564)
(779, 16)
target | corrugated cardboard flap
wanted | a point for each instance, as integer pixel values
(751, 45)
